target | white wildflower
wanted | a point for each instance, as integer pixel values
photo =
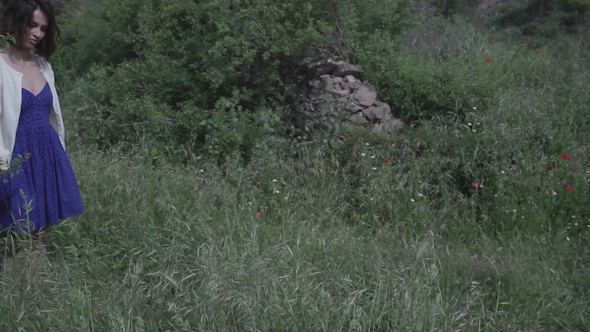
(412, 200)
(475, 131)
(374, 168)
(502, 172)
(363, 154)
(469, 124)
(372, 157)
(274, 180)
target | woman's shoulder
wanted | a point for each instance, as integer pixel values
(41, 61)
(3, 53)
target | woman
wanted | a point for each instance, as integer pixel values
(43, 190)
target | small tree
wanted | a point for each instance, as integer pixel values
(580, 6)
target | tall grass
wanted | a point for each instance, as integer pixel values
(463, 222)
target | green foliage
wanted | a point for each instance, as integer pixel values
(428, 84)
(205, 77)
(557, 18)
(450, 7)
(106, 36)
(463, 222)
(578, 3)
(344, 241)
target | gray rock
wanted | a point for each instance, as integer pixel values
(353, 108)
(376, 113)
(353, 86)
(337, 80)
(331, 104)
(344, 68)
(349, 79)
(318, 68)
(329, 66)
(331, 85)
(338, 92)
(358, 118)
(331, 89)
(315, 83)
(325, 82)
(366, 94)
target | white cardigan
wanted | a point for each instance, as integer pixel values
(10, 105)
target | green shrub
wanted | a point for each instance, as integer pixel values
(445, 74)
(205, 77)
(456, 6)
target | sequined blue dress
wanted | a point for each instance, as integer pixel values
(44, 190)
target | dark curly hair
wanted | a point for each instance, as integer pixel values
(16, 18)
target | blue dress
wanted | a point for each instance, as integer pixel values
(43, 190)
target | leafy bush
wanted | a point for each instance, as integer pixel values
(205, 75)
(443, 73)
(456, 6)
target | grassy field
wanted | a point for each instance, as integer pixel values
(465, 222)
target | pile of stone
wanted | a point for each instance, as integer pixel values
(331, 91)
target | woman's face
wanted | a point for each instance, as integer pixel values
(36, 30)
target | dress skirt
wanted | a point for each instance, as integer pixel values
(42, 190)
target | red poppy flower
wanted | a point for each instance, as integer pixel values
(493, 73)
(488, 60)
(574, 169)
(474, 185)
(537, 51)
(259, 214)
(565, 157)
(385, 159)
(570, 189)
(558, 166)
